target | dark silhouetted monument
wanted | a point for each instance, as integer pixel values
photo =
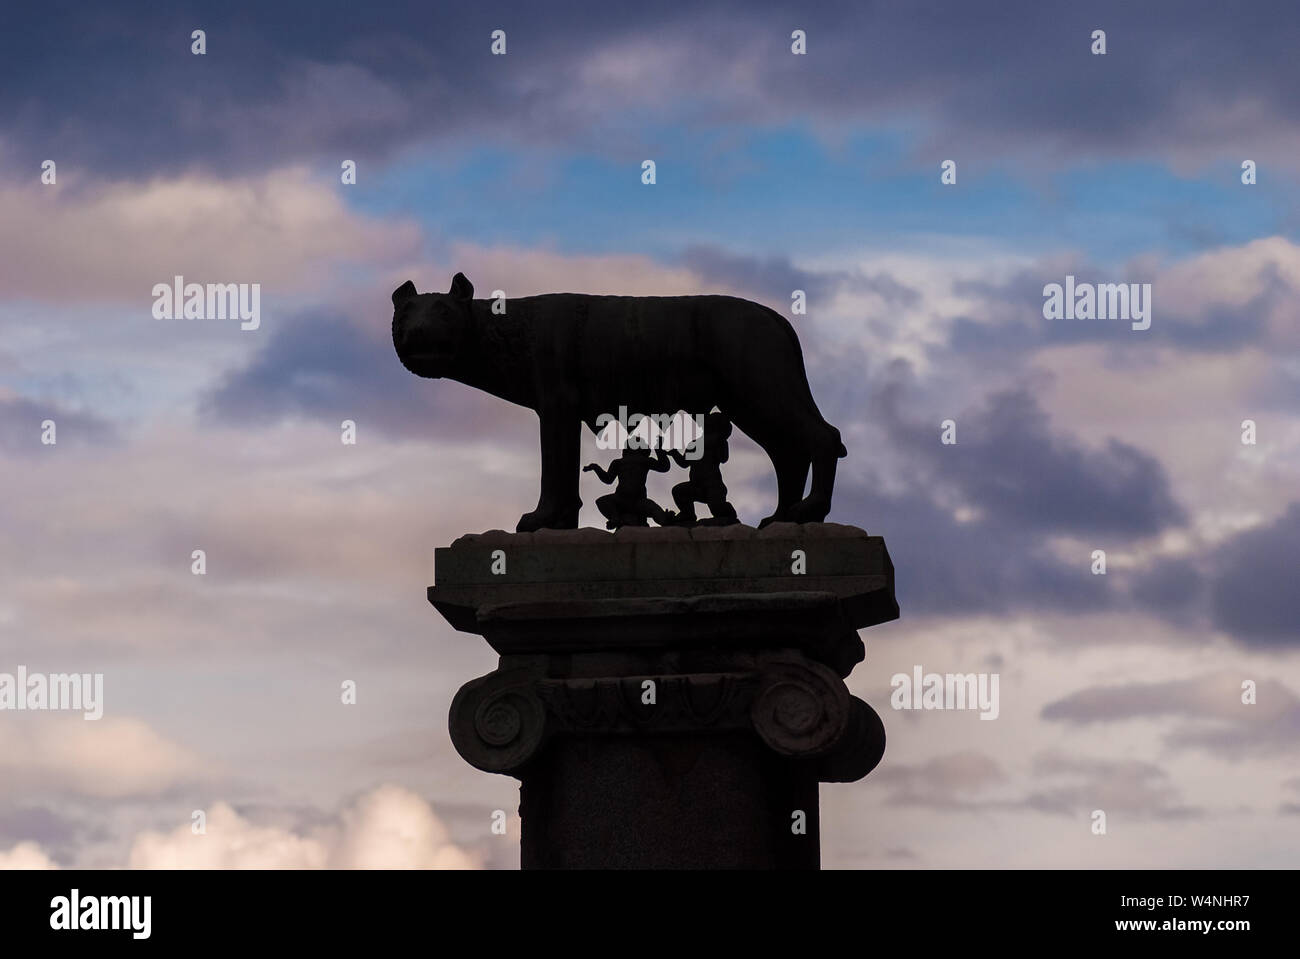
(573, 357)
(667, 696)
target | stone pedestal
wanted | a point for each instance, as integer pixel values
(668, 697)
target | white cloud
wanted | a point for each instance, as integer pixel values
(110, 758)
(26, 855)
(387, 828)
(116, 240)
(392, 828)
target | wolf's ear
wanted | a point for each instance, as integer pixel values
(461, 288)
(403, 293)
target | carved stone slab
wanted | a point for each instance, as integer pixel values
(493, 569)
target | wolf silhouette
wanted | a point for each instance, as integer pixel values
(572, 356)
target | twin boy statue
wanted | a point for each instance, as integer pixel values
(629, 504)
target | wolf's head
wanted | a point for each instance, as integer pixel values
(430, 329)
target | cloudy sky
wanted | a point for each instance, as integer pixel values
(775, 172)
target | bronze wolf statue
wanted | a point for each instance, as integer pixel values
(572, 357)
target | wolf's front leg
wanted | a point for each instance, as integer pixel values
(558, 506)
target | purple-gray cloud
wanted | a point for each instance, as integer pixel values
(299, 80)
(1254, 583)
(21, 429)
